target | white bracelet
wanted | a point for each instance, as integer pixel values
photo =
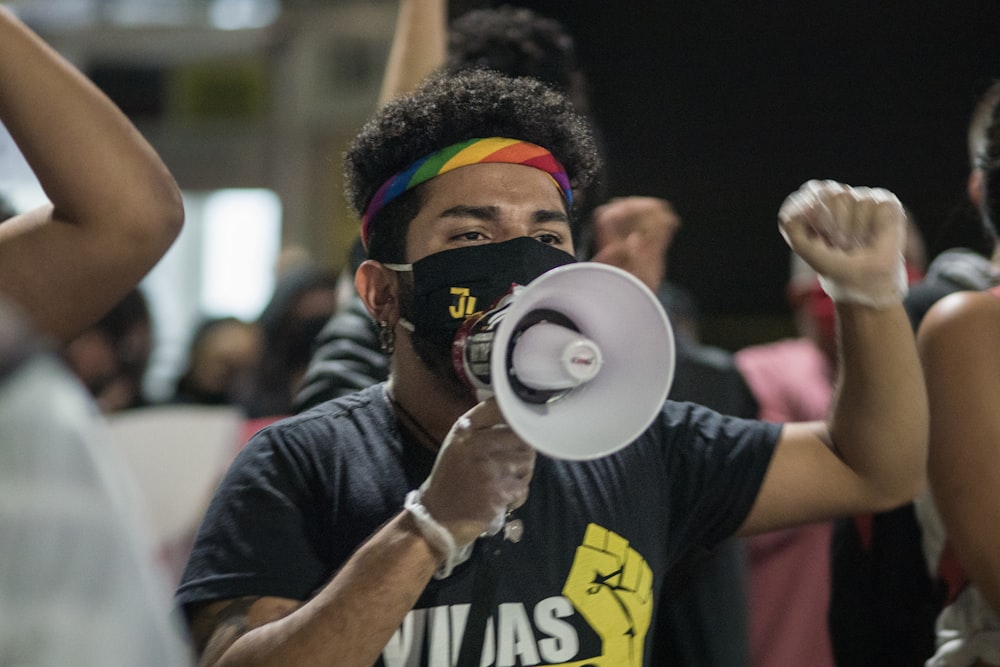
(438, 536)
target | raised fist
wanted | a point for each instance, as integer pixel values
(634, 233)
(852, 236)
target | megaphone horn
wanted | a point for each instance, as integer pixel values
(580, 359)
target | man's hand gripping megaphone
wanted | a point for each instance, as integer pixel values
(481, 474)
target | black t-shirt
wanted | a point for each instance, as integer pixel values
(599, 535)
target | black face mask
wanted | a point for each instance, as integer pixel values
(451, 285)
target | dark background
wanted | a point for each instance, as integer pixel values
(724, 108)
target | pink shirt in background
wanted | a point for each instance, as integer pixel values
(788, 578)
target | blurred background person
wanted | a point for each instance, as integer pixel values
(304, 298)
(960, 258)
(221, 355)
(7, 209)
(111, 357)
(79, 584)
(884, 600)
(346, 354)
(957, 341)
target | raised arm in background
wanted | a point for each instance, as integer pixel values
(115, 209)
(418, 46)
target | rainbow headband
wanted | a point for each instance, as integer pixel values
(463, 154)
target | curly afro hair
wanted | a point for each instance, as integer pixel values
(447, 109)
(518, 42)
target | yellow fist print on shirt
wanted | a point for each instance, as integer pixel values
(609, 588)
(611, 585)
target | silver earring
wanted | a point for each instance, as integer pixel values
(386, 337)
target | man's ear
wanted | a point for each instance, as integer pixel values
(378, 288)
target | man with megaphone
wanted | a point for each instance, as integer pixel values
(420, 522)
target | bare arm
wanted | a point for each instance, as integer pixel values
(115, 207)
(347, 623)
(871, 454)
(418, 46)
(958, 347)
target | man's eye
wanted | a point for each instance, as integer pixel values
(548, 239)
(469, 236)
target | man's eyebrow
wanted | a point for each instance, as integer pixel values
(492, 214)
(487, 213)
(550, 215)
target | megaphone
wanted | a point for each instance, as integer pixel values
(580, 359)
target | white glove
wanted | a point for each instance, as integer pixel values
(853, 237)
(482, 471)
